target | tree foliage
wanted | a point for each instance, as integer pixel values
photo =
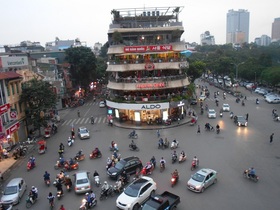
(83, 65)
(38, 97)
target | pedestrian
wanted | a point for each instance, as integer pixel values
(198, 128)
(158, 134)
(247, 116)
(271, 138)
(62, 208)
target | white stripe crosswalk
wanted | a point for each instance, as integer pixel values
(83, 121)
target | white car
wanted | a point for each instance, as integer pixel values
(136, 193)
(102, 104)
(14, 191)
(226, 107)
(211, 113)
(272, 100)
(202, 98)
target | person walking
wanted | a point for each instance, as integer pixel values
(247, 116)
(158, 134)
(271, 138)
(198, 128)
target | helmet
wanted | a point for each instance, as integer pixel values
(194, 157)
(105, 182)
(86, 193)
(33, 187)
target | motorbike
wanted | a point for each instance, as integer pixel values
(194, 165)
(29, 203)
(118, 191)
(218, 130)
(174, 144)
(145, 172)
(7, 206)
(174, 158)
(79, 157)
(182, 158)
(95, 155)
(85, 206)
(69, 167)
(167, 122)
(114, 148)
(110, 122)
(109, 164)
(133, 136)
(174, 180)
(59, 194)
(254, 178)
(97, 181)
(58, 165)
(92, 121)
(70, 142)
(231, 115)
(110, 192)
(162, 167)
(133, 147)
(257, 101)
(48, 182)
(276, 118)
(243, 103)
(60, 152)
(68, 187)
(30, 166)
(210, 128)
(221, 114)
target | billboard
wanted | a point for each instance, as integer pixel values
(13, 61)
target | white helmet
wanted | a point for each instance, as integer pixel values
(105, 182)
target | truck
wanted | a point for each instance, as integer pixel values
(164, 201)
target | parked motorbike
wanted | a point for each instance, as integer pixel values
(110, 192)
(167, 122)
(85, 206)
(97, 181)
(182, 158)
(174, 144)
(254, 178)
(133, 147)
(95, 155)
(194, 165)
(174, 180)
(70, 142)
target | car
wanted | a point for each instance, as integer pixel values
(270, 94)
(263, 92)
(83, 133)
(102, 104)
(130, 165)
(136, 193)
(226, 108)
(272, 99)
(257, 90)
(202, 98)
(14, 191)
(211, 113)
(240, 121)
(193, 101)
(202, 179)
(82, 182)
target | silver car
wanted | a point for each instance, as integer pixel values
(83, 133)
(202, 179)
(14, 191)
(82, 182)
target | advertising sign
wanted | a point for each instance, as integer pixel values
(4, 108)
(12, 129)
(149, 48)
(13, 61)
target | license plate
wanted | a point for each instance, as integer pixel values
(192, 188)
(82, 188)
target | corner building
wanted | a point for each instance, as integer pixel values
(146, 65)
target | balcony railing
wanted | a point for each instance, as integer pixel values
(139, 61)
(147, 79)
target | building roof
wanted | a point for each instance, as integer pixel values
(9, 75)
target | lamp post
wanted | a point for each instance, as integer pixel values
(236, 69)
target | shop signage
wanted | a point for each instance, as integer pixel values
(149, 66)
(151, 106)
(4, 108)
(13, 61)
(13, 114)
(12, 129)
(149, 48)
(151, 85)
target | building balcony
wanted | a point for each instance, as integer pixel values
(148, 83)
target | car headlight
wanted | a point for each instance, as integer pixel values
(198, 187)
(246, 123)
(114, 173)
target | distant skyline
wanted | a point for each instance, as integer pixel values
(43, 20)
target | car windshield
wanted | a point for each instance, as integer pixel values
(10, 190)
(240, 118)
(82, 181)
(83, 131)
(226, 105)
(212, 111)
(198, 177)
(120, 165)
(131, 191)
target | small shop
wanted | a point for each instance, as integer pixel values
(177, 109)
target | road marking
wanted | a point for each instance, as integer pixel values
(104, 120)
(99, 120)
(69, 122)
(82, 120)
(86, 120)
(63, 123)
(77, 121)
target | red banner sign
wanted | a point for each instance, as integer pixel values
(149, 85)
(4, 108)
(12, 129)
(149, 48)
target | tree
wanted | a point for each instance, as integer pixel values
(195, 70)
(38, 97)
(83, 65)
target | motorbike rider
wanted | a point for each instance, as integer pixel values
(115, 155)
(175, 174)
(257, 101)
(92, 119)
(217, 102)
(46, 176)
(61, 147)
(217, 127)
(34, 193)
(174, 155)
(133, 145)
(105, 188)
(68, 181)
(195, 160)
(119, 185)
(160, 142)
(59, 187)
(252, 172)
(92, 195)
(88, 199)
(61, 161)
(113, 145)
(32, 161)
(124, 177)
(71, 162)
(133, 133)
(148, 167)
(95, 174)
(165, 142)
(153, 161)
(78, 112)
(79, 154)
(243, 103)
(231, 114)
(50, 198)
(69, 139)
(162, 161)
(183, 154)
(96, 152)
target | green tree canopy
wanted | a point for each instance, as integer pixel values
(38, 96)
(83, 65)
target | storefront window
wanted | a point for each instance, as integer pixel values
(13, 88)
(8, 90)
(17, 88)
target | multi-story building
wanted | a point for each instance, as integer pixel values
(146, 64)
(264, 40)
(207, 39)
(237, 26)
(275, 33)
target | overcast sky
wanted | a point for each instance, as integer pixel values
(43, 20)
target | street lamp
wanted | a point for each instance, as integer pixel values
(236, 69)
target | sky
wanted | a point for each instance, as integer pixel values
(89, 20)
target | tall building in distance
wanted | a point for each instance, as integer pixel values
(275, 34)
(264, 40)
(237, 26)
(207, 39)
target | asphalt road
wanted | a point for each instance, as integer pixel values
(229, 153)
